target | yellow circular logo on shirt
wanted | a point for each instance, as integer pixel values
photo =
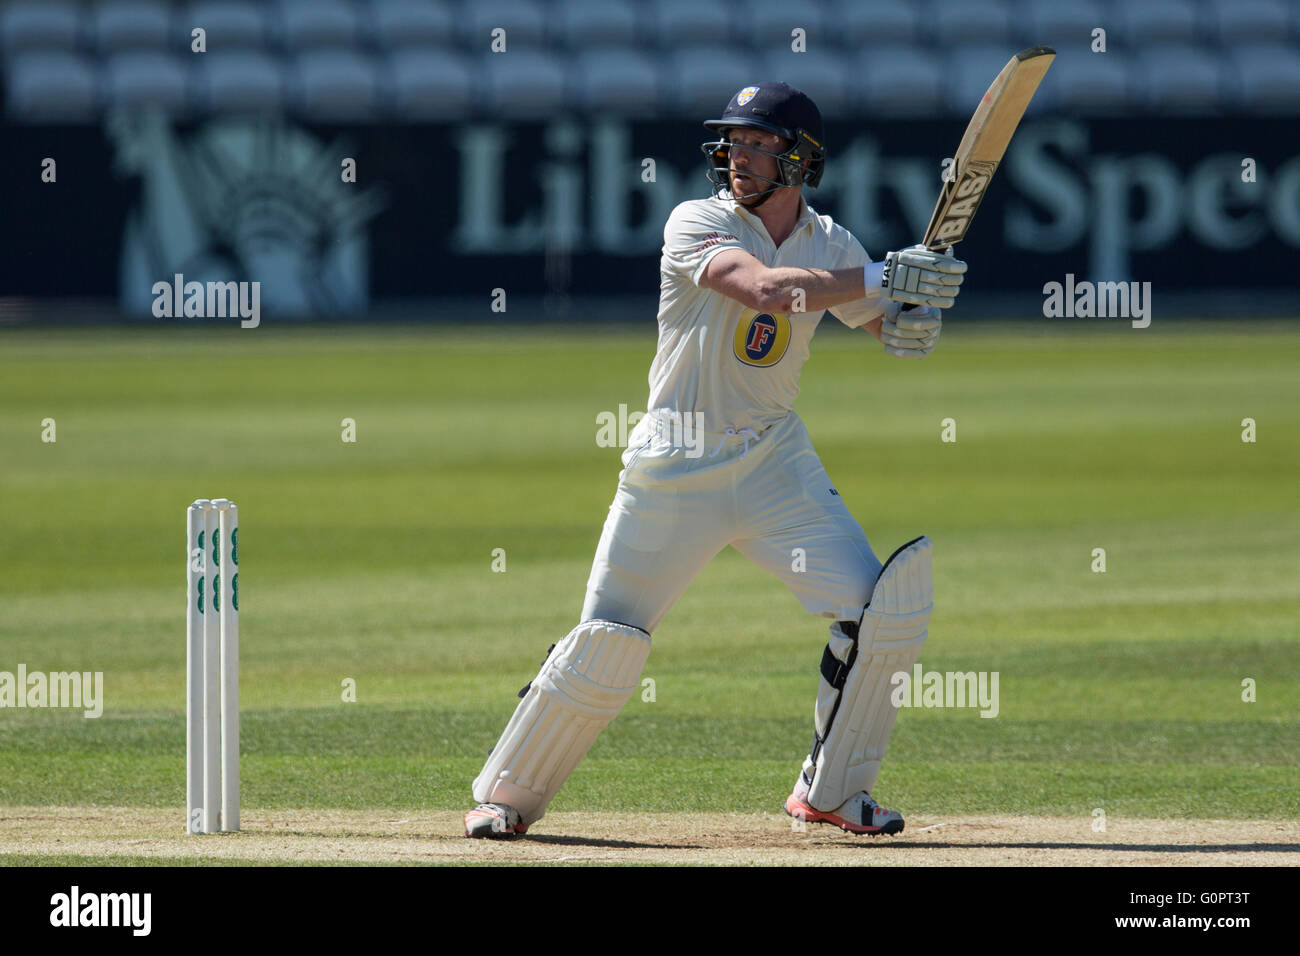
(762, 337)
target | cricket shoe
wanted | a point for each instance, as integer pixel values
(858, 814)
(495, 821)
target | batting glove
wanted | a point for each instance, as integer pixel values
(911, 333)
(917, 276)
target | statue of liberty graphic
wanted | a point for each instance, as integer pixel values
(246, 200)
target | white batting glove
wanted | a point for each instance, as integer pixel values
(911, 333)
(917, 276)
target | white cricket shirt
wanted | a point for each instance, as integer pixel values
(738, 367)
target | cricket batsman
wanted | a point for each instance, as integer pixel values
(745, 277)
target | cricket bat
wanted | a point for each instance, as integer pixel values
(983, 145)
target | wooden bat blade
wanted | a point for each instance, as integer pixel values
(984, 143)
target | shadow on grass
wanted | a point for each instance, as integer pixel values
(897, 844)
(549, 838)
(599, 843)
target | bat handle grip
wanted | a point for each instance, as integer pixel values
(935, 248)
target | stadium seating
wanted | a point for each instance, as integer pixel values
(51, 86)
(582, 25)
(619, 81)
(133, 25)
(411, 60)
(1063, 26)
(962, 22)
(1267, 78)
(318, 24)
(828, 77)
(701, 79)
(770, 23)
(401, 24)
(1083, 83)
(860, 23)
(1180, 78)
(236, 81)
(894, 81)
(33, 25)
(524, 22)
(148, 78)
(335, 84)
(1155, 21)
(527, 83)
(429, 85)
(233, 25)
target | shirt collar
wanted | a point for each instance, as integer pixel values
(805, 212)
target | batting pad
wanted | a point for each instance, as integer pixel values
(854, 715)
(583, 684)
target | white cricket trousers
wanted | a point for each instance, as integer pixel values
(766, 494)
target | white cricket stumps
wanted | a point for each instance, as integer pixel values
(212, 666)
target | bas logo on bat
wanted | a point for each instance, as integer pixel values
(967, 194)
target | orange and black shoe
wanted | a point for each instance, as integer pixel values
(496, 821)
(858, 814)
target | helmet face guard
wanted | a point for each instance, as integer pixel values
(789, 163)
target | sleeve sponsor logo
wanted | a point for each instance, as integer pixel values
(713, 238)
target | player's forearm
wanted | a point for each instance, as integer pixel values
(788, 289)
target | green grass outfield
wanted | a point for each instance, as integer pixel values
(372, 561)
